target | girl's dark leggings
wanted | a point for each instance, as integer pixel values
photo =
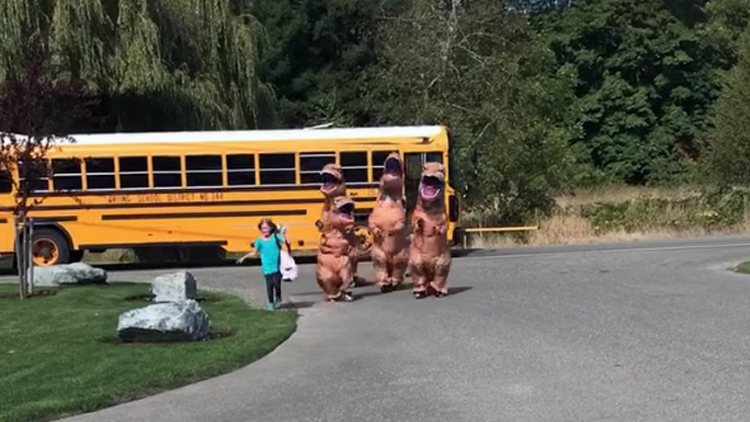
(273, 287)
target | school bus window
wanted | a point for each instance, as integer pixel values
(167, 172)
(100, 173)
(277, 169)
(6, 186)
(66, 174)
(354, 165)
(38, 173)
(203, 170)
(241, 170)
(133, 172)
(434, 157)
(311, 163)
(40, 185)
(378, 160)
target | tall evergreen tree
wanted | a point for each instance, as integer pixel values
(729, 158)
(726, 21)
(644, 84)
(318, 54)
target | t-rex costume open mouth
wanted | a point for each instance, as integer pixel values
(333, 269)
(429, 257)
(333, 186)
(390, 249)
(332, 182)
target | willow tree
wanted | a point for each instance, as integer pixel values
(155, 64)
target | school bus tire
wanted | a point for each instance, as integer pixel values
(76, 256)
(49, 247)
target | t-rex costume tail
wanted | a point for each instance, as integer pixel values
(334, 186)
(390, 249)
(333, 269)
(429, 257)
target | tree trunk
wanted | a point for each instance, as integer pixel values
(20, 264)
(30, 255)
(24, 232)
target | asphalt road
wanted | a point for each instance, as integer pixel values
(640, 332)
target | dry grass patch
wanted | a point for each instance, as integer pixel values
(627, 214)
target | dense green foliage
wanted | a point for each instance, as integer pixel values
(730, 155)
(540, 95)
(155, 64)
(483, 72)
(709, 210)
(644, 87)
(317, 56)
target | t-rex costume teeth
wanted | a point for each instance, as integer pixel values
(429, 257)
(333, 268)
(333, 186)
(390, 249)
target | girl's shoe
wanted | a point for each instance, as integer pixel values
(271, 306)
(278, 303)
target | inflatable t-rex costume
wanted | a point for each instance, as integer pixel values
(390, 248)
(333, 269)
(429, 258)
(332, 187)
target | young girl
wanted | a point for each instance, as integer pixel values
(269, 246)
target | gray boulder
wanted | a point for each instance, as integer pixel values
(176, 287)
(76, 273)
(169, 321)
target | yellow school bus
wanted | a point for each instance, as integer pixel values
(188, 189)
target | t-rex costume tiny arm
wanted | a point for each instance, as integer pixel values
(390, 249)
(333, 268)
(429, 257)
(334, 186)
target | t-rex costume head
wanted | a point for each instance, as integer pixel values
(432, 185)
(392, 180)
(332, 178)
(341, 216)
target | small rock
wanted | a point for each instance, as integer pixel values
(76, 273)
(170, 321)
(176, 287)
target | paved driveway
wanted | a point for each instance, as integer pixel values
(654, 332)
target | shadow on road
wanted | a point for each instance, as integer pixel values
(458, 290)
(299, 305)
(135, 266)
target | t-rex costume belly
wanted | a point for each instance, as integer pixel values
(390, 249)
(333, 268)
(334, 186)
(429, 257)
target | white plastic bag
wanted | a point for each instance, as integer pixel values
(288, 267)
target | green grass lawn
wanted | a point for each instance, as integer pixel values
(59, 355)
(744, 267)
